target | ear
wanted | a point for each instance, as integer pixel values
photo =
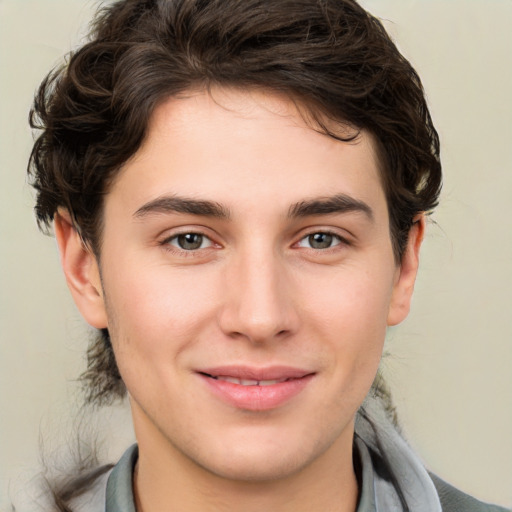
(81, 270)
(406, 273)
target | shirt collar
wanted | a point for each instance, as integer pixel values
(119, 485)
(119, 494)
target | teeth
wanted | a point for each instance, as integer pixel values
(269, 382)
(233, 380)
(249, 382)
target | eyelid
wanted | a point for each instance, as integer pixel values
(197, 229)
(171, 234)
(343, 239)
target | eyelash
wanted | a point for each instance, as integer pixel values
(169, 246)
(336, 237)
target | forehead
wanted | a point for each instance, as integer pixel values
(245, 147)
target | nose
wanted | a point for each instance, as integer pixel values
(258, 301)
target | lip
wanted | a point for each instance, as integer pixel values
(291, 381)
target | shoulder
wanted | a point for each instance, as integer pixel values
(453, 500)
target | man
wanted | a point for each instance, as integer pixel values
(238, 191)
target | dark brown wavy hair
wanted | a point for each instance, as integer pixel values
(331, 57)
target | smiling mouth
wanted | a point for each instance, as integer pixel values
(248, 382)
(253, 389)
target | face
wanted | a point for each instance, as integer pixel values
(247, 280)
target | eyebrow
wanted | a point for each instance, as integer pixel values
(339, 203)
(174, 204)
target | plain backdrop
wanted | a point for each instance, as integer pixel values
(449, 364)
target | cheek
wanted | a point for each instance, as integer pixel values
(350, 315)
(353, 302)
(154, 314)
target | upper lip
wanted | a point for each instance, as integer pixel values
(254, 373)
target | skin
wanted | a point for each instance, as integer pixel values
(259, 291)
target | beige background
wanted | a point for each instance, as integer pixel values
(450, 362)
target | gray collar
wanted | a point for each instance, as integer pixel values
(119, 485)
(120, 489)
(390, 473)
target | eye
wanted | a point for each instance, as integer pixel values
(320, 240)
(189, 241)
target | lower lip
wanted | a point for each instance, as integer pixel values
(257, 398)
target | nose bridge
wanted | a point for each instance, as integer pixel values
(258, 303)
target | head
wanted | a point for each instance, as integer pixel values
(329, 66)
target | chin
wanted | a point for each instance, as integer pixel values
(258, 468)
(263, 458)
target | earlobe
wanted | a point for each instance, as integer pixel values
(81, 270)
(404, 285)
